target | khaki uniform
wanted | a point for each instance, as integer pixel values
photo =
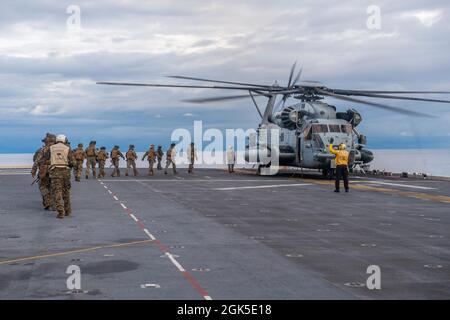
(91, 161)
(79, 156)
(231, 159)
(42, 163)
(131, 161)
(170, 160)
(151, 157)
(61, 160)
(102, 156)
(115, 154)
(192, 155)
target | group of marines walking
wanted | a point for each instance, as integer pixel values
(93, 156)
(54, 161)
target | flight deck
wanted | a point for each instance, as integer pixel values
(215, 235)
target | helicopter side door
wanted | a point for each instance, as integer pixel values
(305, 147)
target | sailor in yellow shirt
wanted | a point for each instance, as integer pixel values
(341, 166)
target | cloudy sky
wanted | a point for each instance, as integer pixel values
(48, 67)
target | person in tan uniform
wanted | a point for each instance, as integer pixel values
(115, 160)
(131, 160)
(41, 167)
(170, 158)
(159, 156)
(102, 157)
(61, 161)
(91, 159)
(79, 155)
(151, 157)
(192, 157)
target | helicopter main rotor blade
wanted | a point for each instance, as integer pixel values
(177, 86)
(297, 77)
(291, 74)
(374, 104)
(383, 96)
(354, 92)
(218, 99)
(219, 81)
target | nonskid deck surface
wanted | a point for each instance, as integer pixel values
(227, 236)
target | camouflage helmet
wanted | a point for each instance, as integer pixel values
(51, 138)
(47, 135)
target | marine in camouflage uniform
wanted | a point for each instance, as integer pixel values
(151, 157)
(170, 159)
(102, 156)
(91, 159)
(61, 161)
(159, 156)
(115, 160)
(42, 163)
(79, 154)
(192, 157)
(131, 160)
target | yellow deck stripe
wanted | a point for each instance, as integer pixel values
(57, 254)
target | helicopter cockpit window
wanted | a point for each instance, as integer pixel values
(319, 128)
(318, 143)
(346, 128)
(334, 128)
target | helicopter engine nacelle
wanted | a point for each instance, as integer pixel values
(351, 115)
(287, 118)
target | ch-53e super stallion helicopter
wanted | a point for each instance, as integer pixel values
(306, 128)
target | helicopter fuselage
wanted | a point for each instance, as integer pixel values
(306, 130)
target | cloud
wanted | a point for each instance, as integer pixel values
(426, 17)
(48, 74)
(407, 134)
(41, 110)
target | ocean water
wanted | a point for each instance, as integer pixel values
(430, 161)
